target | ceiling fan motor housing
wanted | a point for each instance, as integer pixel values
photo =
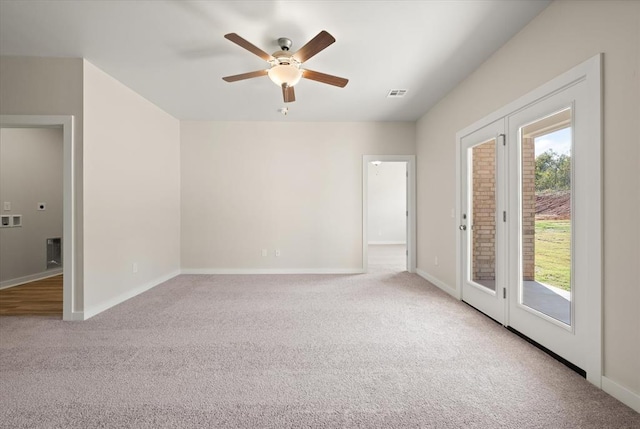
(284, 43)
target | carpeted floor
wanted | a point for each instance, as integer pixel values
(381, 350)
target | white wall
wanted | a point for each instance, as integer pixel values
(131, 192)
(562, 36)
(49, 86)
(387, 203)
(30, 172)
(296, 187)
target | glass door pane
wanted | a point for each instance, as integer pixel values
(545, 148)
(482, 214)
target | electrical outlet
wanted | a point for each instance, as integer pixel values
(134, 267)
(277, 252)
(264, 252)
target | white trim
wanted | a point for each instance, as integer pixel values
(30, 278)
(438, 283)
(387, 242)
(621, 393)
(77, 316)
(411, 206)
(69, 181)
(99, 308)
(240, 271)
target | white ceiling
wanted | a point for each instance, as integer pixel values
(173, 52)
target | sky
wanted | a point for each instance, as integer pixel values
(559, 141)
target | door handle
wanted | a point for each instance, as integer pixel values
(463, 227)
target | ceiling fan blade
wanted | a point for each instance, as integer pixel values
(288, 93)
(313, 46)
(244, 76)
(248, 46)
(325, 78)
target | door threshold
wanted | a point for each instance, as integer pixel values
(581, 372)
(482, 312)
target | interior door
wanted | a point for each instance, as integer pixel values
(548, 242)
(481, 224)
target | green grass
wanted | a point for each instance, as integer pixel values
(553, 253)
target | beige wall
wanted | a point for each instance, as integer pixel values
(131, 192)
(562, 36)
(49, 86)
(30, 173)
(296, 187)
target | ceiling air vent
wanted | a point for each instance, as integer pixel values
(396, 93)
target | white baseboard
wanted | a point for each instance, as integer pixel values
(99, 308)
(77, 316)
(387, 242)
(30, 278)
(621, 393)
(272, 271)
(437, 282)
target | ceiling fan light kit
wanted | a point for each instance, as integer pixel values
(285, 69)
(285, 74)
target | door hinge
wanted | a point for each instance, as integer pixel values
(406, 252)
(407, 213)
(407, 174)
(504, 216)
(504, 293)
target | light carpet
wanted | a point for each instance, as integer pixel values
(380, 350)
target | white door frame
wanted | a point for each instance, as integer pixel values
(590, 72)
(411, 206)
(66, 123)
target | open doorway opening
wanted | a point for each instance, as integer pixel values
(31, 235)
(387, 199)
(388, 213)
(58, 247)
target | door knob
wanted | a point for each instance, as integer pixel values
(463, 227)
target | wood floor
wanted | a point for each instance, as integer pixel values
(39, 298)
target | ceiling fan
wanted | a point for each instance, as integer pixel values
(285, 68)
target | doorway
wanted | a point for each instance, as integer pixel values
(65, 251)
(387, 216)
(388, 207)
(31, 188)
(529, 249)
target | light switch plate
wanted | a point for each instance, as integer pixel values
(7, 206)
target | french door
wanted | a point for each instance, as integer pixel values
(530, 228)
(482, 232)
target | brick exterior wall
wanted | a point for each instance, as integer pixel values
(484, 212)
(528, 209)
